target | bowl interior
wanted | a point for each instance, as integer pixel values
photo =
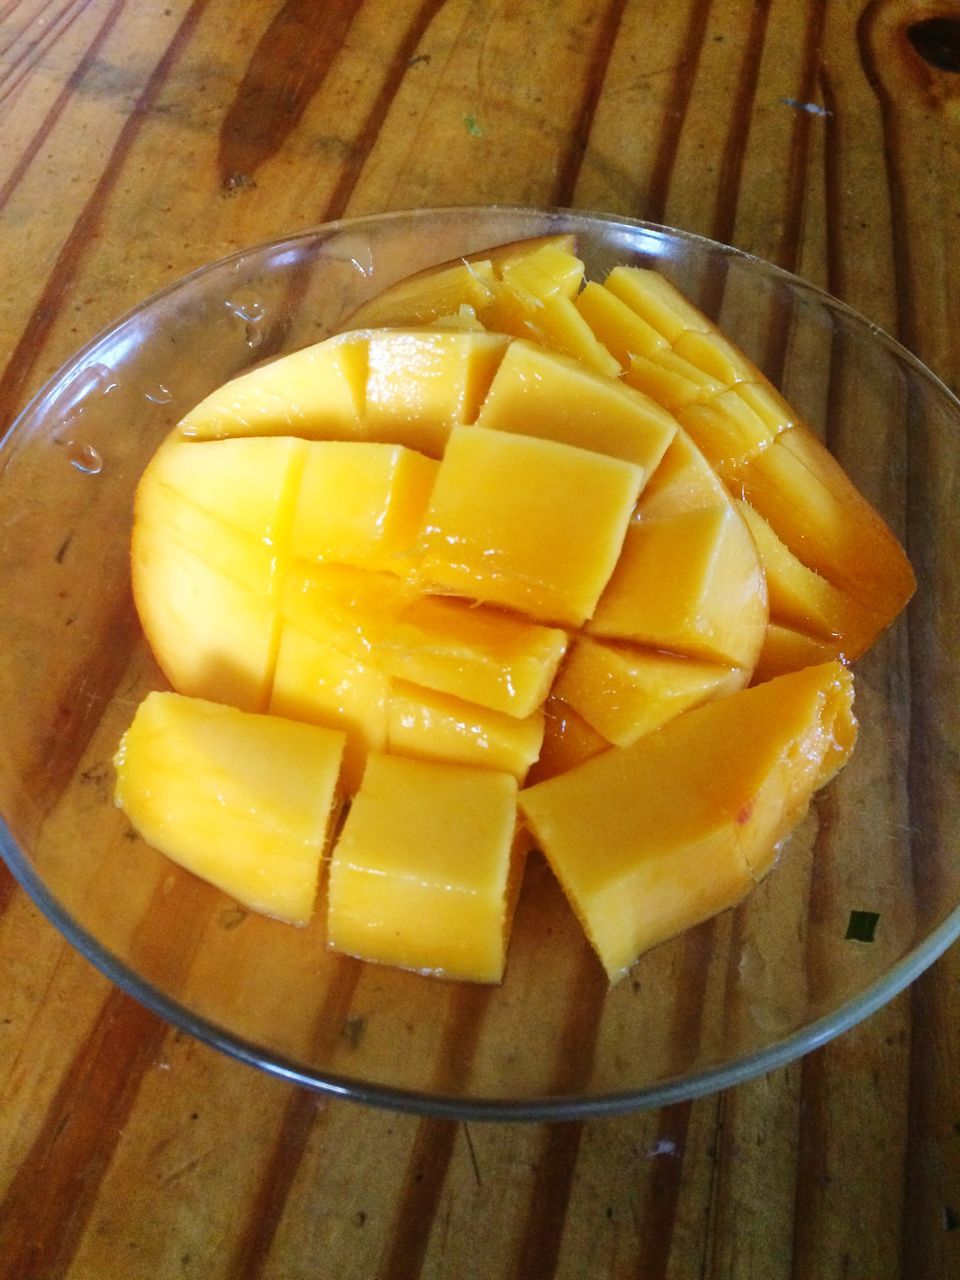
(735, 996)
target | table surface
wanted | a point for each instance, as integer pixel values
(138, 141)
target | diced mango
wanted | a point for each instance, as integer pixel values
(617, 326)
(317, 393)
(474, 653)
(657, 301)
(671, 381)
(248, 482)
(786, 649)
(803, 599)
(204, 595)
(403, 891)
(360, 504)
(827, 524)
(244, 801)
(650, 839)
(422, 383)
(425, 725)
(727, 430)
(691, 584)
(424, 297)
(768, 404)
(545, 271)
(540, 393)
(624, 692)
(319, 684)
(716, 356)
(567, 740)
(684, 481)
(526, 523)
(349, 608)
(552, 320)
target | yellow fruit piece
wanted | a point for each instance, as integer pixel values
(684, 481)
(319, 684)
(247, 482)
(787, 649)
(545, 271)
(768, 404)
(815, 509)
(425, 725)
(671, 381)
(691, 584)
(244, 801)
(624, 692)
(650, 839)
(349, 608)
(540, 393)
(421, 874)
(422, 383)
(657, 301)
(716, 356)
(360, 503)
(527, 523)
(473, 653)
(204, 595)
(567, 740)
(527, 307)
(726, 430)
(317, 393)
(428, 295)
(803, 599)
(617, 326)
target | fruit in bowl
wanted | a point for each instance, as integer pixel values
(504, 500)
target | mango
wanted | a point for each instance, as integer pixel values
(690, 584)
(540, 393)
(422, 875)
(244, 801)
(650, 839)
(624, 692)
(493, 488)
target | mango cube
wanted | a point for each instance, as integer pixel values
(422, 383)
(657, 301)
(540, 393)
(684, 481)
(243, 801)
(421, 874)
(567, 740)
(204, 594)
(319, 684)
(360, 503)
(424, 297)
(624, 692)
(473, 653)
(526, 523)
(425, 725)
(316, 393)
(691, 584)
(788, 649)
(617, 326)
(650, 839)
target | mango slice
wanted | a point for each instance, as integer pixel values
(359, 504)
(403, 892)
(493, 489)
(496, 660)
(624, 692)
(540, 393)
(650, 839)
(690, 584)
(243, 801)
(425, 725)
(567, 740)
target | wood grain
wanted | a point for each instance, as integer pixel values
(139, 141)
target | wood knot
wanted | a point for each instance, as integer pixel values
(937, 41)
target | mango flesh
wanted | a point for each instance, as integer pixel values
(344, 575)
(244, 801)
(652, 838)
(492, 488)
(402, 891)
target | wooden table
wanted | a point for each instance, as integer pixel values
(138, 141)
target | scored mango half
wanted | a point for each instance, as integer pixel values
(523, 542)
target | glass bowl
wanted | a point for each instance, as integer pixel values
(737, 996)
